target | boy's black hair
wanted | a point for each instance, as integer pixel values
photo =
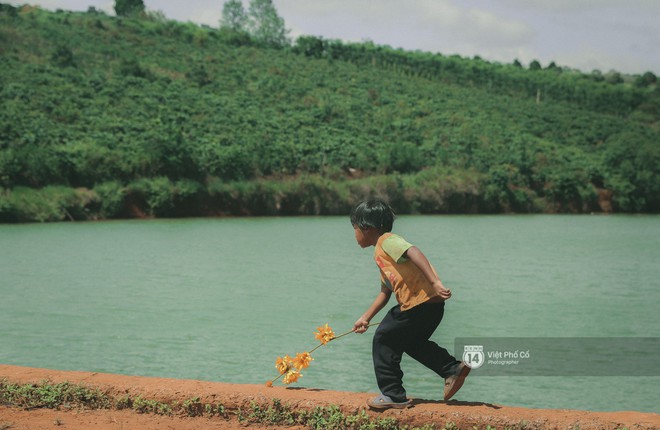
(373, 214)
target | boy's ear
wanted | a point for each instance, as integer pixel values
(373, 230)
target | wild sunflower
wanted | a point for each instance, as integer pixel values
(283, 364)
(324, 334)
(291, 376)
(302, 360)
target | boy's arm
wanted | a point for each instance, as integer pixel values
(419, 259)
(379, 303)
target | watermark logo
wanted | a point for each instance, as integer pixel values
(561, 356)
(473, 356)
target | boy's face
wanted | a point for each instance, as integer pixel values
(366, 238)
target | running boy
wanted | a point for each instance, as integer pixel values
(407, 327)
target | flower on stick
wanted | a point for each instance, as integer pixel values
(283, 364)
(289, 368)
(302, 360)
(291, 376)
(324, 334)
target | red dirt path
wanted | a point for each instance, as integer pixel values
(465, 415)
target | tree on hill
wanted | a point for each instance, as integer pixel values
(265, 25)
(233, 16)
(129, 7)
(552, 66)
(646, 80)
(613, 77)
(535, 65)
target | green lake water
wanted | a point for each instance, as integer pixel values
(221, 299)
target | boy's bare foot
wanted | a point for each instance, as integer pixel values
(384, 402)
(455, 382)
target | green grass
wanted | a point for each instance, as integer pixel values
(62, 395)
(68, 396)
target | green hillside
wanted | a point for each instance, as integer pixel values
(107, 117)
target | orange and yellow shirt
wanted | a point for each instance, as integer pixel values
(403, 277)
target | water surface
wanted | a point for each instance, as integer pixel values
(220, 299)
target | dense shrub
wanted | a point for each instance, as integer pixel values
(159, 118)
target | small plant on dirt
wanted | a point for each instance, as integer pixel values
(326, 418)
(362, 421)
(275, 414)
(143, 406)
(213, 410)
(192, 407)
(522, 425)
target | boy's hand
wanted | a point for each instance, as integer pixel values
(444, 293)
(361, 325)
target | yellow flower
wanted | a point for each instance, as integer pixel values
(302, 360)
(290, 368)
(283, 364)
(324, 334)
(291, 376)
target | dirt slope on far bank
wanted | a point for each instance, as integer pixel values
(465, 415)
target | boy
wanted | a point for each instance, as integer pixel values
(407, 327)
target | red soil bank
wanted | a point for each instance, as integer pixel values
(465, 415)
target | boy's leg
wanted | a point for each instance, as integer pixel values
(387, 352)
(426, 318)
(435, 357)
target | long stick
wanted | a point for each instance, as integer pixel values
(321, 344)
(341, 335)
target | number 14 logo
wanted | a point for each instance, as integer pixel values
(473, 356)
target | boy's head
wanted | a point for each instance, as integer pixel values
(373, 214)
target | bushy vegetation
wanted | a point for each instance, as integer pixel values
(67, 396)
(110, 117)
(52, 396)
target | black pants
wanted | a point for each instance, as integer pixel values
(408, 332)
